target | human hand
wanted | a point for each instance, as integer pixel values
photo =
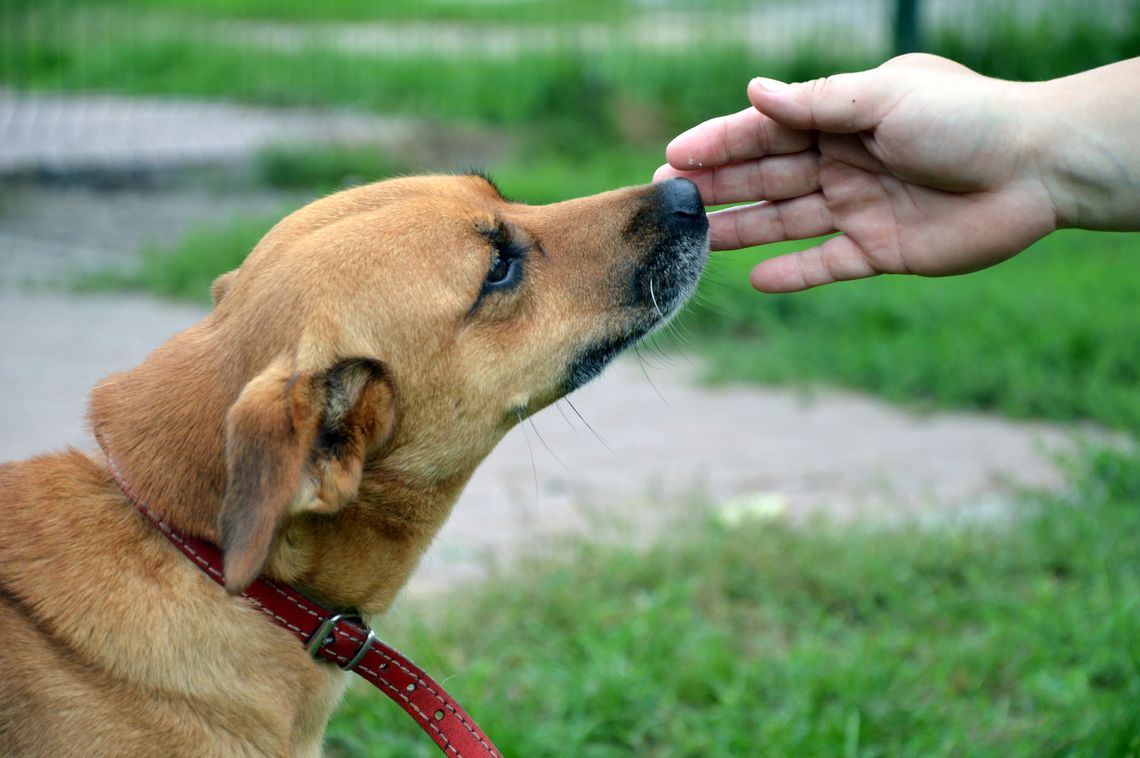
(922, 165)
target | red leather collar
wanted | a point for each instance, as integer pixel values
(342, 638)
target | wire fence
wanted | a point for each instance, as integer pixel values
(137, 82)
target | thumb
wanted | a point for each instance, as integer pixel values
(843, 103)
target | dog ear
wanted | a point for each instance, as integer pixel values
(222, 285)
(296, 442)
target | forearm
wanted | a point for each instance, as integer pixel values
(1085, 139)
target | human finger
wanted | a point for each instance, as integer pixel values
(845, 103)
(736, 137)
(776, 177)
(665, 172)
(837, 259)
(760, 223)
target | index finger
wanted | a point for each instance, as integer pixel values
(734, 138)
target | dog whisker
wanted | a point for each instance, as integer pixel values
(680, 326)
(660, 351)
(530, 448)
(599, 437)
(677, 328)
(653, 297)
(684, 341)
(565, 418)
(641, 358)
(448, 678)
(649, 379)
(704, 306)
(548, 448)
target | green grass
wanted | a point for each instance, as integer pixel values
(324, 168)
(1008, 639)
(138, 47)
(465, 11)
(493, 11)
(540, 177)
(1050, 334)
(563, 89)
(589, 96)
(185, 271)
(1053, 44)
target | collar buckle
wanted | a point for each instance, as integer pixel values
(325, 634)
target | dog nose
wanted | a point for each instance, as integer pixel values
(680, 201)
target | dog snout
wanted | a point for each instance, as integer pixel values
(679, 203)
(667, 274)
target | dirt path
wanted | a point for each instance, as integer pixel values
(666, 440)
(73, 133)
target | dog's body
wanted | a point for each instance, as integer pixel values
(318, 425)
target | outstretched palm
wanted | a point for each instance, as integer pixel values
(907, 191)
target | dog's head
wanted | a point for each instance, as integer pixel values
(401, 328)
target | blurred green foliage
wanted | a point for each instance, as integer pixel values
(497, 12)
(323, 168)
(594, 94)
(1050, 334)
(1050, 45)
(185, 271)
(571, 96)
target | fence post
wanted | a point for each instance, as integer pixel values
(907, 36)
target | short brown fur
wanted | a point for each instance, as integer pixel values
(318, 424)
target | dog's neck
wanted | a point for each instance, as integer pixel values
(164, 423)
(362, 556)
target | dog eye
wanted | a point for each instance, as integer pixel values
(507, 265)
(505, 271)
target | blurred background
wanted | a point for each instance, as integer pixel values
(893, 517)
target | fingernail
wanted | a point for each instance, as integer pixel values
(770, 85)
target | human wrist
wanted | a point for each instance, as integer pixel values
(1084, 134)
(1045, 168)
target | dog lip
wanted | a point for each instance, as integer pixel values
(675, 267)
(669, 273)
(590, 363)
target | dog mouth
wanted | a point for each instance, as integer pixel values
(590, 363)
(676, 229)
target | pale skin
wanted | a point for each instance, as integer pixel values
(921, 165)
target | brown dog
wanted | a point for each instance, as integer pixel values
(318, 425)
